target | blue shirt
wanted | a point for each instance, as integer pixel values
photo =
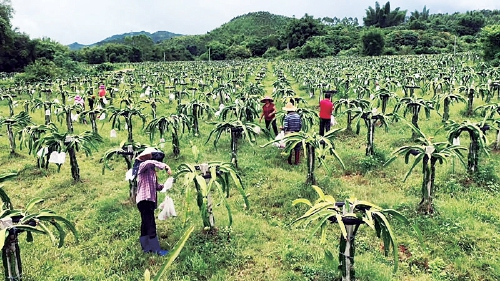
(292, 122)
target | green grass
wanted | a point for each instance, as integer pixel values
(460, 240)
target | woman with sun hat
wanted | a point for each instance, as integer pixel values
(269, 114)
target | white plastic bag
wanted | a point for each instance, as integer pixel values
(104, 100)
(281, 143)
(167, 209)
(333, 121)
(128, 175)
(168, 184)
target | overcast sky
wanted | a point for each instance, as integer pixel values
(90, 21)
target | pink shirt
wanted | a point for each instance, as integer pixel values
(147, 183)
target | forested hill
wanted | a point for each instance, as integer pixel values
(258, 24)
(157, 37)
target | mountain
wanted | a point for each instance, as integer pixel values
(156, 37)
(251, 25)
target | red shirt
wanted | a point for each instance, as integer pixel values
(267, 109)
(325, 109)
(102, 93)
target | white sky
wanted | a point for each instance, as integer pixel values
(90, 21)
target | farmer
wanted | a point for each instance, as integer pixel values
(292, 124)
(102, 95)
(80, 101)
(325, 113)
(269, 112)
(147, 186)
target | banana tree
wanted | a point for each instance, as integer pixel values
(447, 99)
(429, 154)
(349, 215)
(172, 123)
(18, 121)
(127, 112)
(194, 110)
(477, 138)
(237, 129)
(70, 143)
(209, 178)
(316, 146)
(17, 221)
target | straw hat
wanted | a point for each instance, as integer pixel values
(146, 154)
(289, 107)
(266, 98)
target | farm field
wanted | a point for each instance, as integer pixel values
(459, 236)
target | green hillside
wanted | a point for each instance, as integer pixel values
(257, 24)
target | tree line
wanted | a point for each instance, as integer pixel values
(385, 31)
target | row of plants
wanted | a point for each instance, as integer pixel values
(186, 101)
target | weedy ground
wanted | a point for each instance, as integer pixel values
(460, 241)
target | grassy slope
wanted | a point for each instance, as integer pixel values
(460, 241)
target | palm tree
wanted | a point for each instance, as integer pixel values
(127, 113)
(383, 16)
(477, 137)
(208, 178)
(194, 110)
(17, 221)
(237, 129)
(18, 121)
(349, 215)
(429, 154)
(65, 142)
(164, 123)
(316, 147)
